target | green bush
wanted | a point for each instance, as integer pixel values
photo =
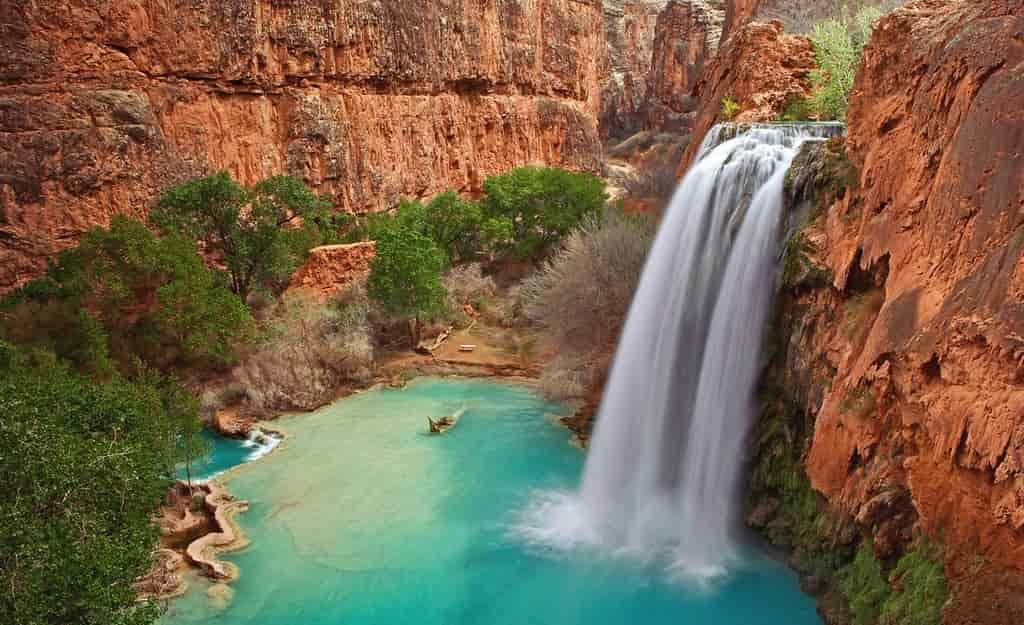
(261, 233)
(864, 587)
(838, 47)
(85, 466)
(123, 294)
(921, 581)
(730, 109)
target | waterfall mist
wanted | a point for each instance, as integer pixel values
(664, 471)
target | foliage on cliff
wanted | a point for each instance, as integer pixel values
(838, 49)
(84, 466)
(913, 593)
(124, 294)
(260, 233)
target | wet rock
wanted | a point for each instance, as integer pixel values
(763, 512)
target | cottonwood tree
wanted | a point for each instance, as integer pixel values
(261, 233)
(405, 275)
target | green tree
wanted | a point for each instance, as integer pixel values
(405, 275)
(541, 205)
(456, 224)
(124, 293)
(261, 233)
(85, 466)
(838, 48)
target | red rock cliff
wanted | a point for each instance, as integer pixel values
(918, 344)
(104, 104)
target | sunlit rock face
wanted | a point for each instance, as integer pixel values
(912, 351)
(104, 104)
(759, 67)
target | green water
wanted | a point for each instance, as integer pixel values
(225, 453)
(361, 518)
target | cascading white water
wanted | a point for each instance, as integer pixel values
(664, 468)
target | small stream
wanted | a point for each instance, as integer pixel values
(362, 518)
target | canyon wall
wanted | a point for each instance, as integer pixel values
(656, 51)
(899, 356)
(103, 104)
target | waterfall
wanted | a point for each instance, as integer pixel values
(664, 470)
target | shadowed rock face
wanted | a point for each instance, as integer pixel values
(656, 52)
(916, 350)
(103, 104)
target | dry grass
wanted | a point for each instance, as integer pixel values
(580, 298)
(312, 349)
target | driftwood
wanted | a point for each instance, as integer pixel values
(443, 424)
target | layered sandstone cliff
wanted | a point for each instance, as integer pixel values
(104, 104)
(900, 348)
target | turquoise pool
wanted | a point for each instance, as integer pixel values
(362, 518)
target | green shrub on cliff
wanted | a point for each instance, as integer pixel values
(85, 466)
(123, 294)
(838, 48)
(730, 109)
(260, 233)
(912, 593)
(922, 588)
(864, 587)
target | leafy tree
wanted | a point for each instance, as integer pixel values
(838, 47)
(85, 465)
(459, 227)
(261, 233)
(405, 275)
(541, 205)
(124, 293)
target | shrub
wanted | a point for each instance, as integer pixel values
(921, 588)
(730, 109)
(466, 284)
(838, 46)
(261, 233)
(536, 207)
(864, 587)
(580, 297)
(311, 349)
(796, 110)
